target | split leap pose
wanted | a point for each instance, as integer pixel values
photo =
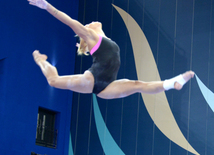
(101, 77)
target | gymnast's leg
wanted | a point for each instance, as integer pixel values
(124, 87)
(82, 83)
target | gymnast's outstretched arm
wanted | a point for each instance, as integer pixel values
(77, 27)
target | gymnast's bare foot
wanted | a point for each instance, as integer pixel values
(38, 57)
(187, 76)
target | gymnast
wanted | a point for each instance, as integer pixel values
(101, 77)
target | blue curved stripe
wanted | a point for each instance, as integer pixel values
(208, 94)
(110, 147)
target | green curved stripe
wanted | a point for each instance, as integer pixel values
(110, 147)
(157, 105)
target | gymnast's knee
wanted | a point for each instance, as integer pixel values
(132, 82)
(137, 82)
(52, 81)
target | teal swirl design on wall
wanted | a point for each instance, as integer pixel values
(109, 145)
(70, 148)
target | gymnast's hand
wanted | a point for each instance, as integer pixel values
(43, 4)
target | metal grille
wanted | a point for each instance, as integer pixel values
(46, 134)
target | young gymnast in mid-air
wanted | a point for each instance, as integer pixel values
(101, 77)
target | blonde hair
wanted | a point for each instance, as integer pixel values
(83, 48)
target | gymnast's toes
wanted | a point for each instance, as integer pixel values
(39, 57)
(188, 75)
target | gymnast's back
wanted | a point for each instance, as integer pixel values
(106, 63)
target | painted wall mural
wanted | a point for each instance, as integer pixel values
(173, 122)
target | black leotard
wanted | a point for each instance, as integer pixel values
(106, 63)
